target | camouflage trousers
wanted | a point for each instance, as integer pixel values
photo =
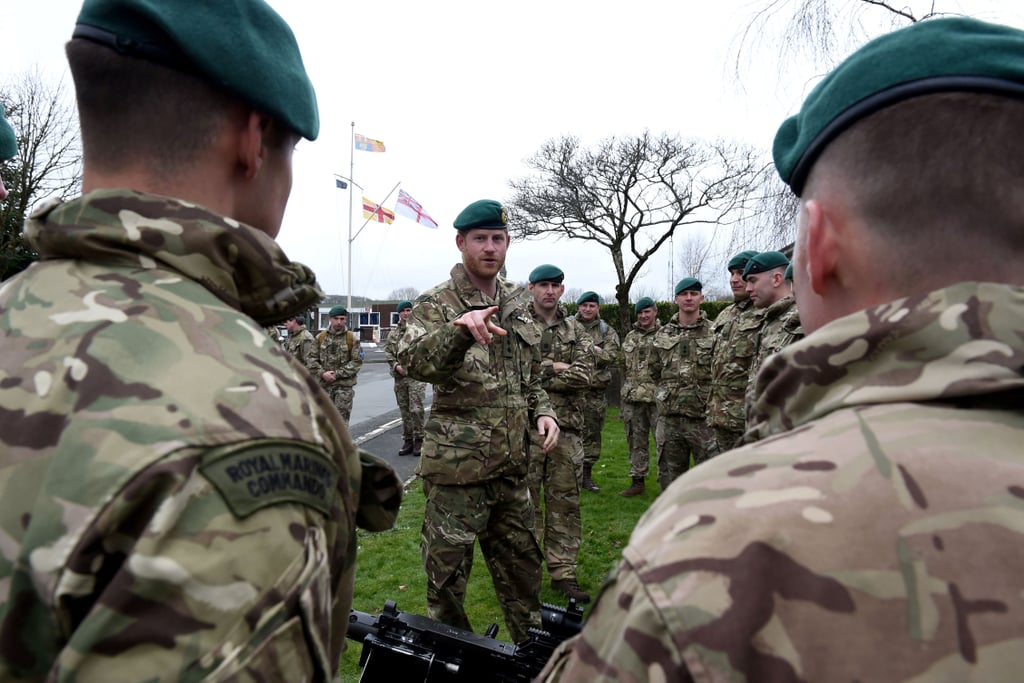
(499, 514)
(559, 473)
(727, 439)
(678, 436)
(341, 397)
(595, 407)
(410, 396)
(639, 420)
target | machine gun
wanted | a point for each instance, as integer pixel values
(407, 647)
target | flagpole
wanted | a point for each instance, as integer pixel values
(351, 175)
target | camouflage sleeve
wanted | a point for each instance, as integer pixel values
(536, 398)
(306, 353)
(580, 373)
(350, 368)
(625, 638)
(610, 352)
(391, 350)
(432, 348)
(316, 366)
(655, 362)
(193, 571)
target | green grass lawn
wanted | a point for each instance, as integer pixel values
(389, 565)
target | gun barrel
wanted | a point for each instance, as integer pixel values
(360, 625)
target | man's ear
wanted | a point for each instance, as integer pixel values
(460, 240)
(822, 245)
(252, 149)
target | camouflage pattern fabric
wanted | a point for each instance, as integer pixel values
(409, 393)
(341, 352)
(300, 345)
(607, 356)
(735, 331)
(486, 398)
(872, 534)
(780, 328)
(555, 477)
(154, 444)
(639, 410)
(499, 514)
(680, 365)
(554, 481)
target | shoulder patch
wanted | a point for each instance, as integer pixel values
(255, 474)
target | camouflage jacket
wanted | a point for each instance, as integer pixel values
(874, 535)
(779, 329)
(338, 351)
(637, 385)
(735, 346)
(485, 397)
(300, 345)
(607, 350)
(391, 351)
(565, 341)
(154, 444)
(681, 367)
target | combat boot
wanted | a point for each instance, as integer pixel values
(636, 489)
(407, 447)
(571, 589)
(588, 479)
(417, 446)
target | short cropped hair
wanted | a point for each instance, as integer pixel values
(936, 175)
(132, 109)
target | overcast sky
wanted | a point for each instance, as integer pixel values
(461, 93)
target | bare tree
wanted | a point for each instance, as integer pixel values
(694, 256)
(817, 31)
(48, 164)
(630, 195)
(570, 295)
(771, 223)
(404, 294)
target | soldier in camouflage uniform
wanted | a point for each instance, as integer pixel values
(8, 147)
(300, 340)
(409, 393)
(681, 368)
(178, 498)
(780, 322)
(607, 355)
(474, 340)
(568, 367)
(735, 331)
(876, 534)
(639, 411)
(337, 359)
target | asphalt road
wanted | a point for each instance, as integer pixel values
(376, 424)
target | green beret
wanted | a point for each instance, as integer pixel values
(789, 272)
(402, 305)
(337, 310)
(739, 261)
(483, 213)
(8, 140)
(588, 296)
(954, 54)
(242, 46)
(765, 261)
(547, 273)
(645, 302)
(687, 284)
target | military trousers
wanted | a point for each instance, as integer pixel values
(498, 513)
(640, 420)
(554, 479)
(410, 396)
(341, 397)
(677, 437)
(595, 407)
(727, 439)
